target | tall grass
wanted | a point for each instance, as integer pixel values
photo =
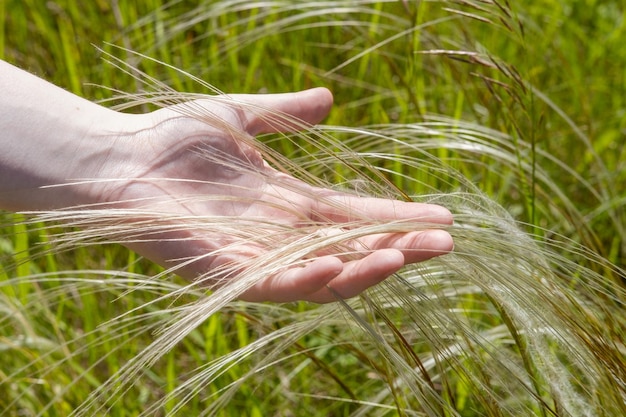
(510, 115)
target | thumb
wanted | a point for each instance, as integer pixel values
(270, 113)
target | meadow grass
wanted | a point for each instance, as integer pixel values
(511, 115)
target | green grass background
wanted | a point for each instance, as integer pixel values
(549, 73)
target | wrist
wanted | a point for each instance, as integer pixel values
(102, 159)
(54, 144)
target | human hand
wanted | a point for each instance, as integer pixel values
(199, 159)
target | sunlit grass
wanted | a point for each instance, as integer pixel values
(511, 117)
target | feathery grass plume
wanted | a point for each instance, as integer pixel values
(511, 323)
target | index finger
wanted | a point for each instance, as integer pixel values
(345, 208)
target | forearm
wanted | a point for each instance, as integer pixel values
(49, 137)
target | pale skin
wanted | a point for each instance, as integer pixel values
(49, 136)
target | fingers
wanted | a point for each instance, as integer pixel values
(343, 208)
(357, 276)
(310, 282)
(414, 246)
(296, 283)
(309, 106)
(390, 252)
